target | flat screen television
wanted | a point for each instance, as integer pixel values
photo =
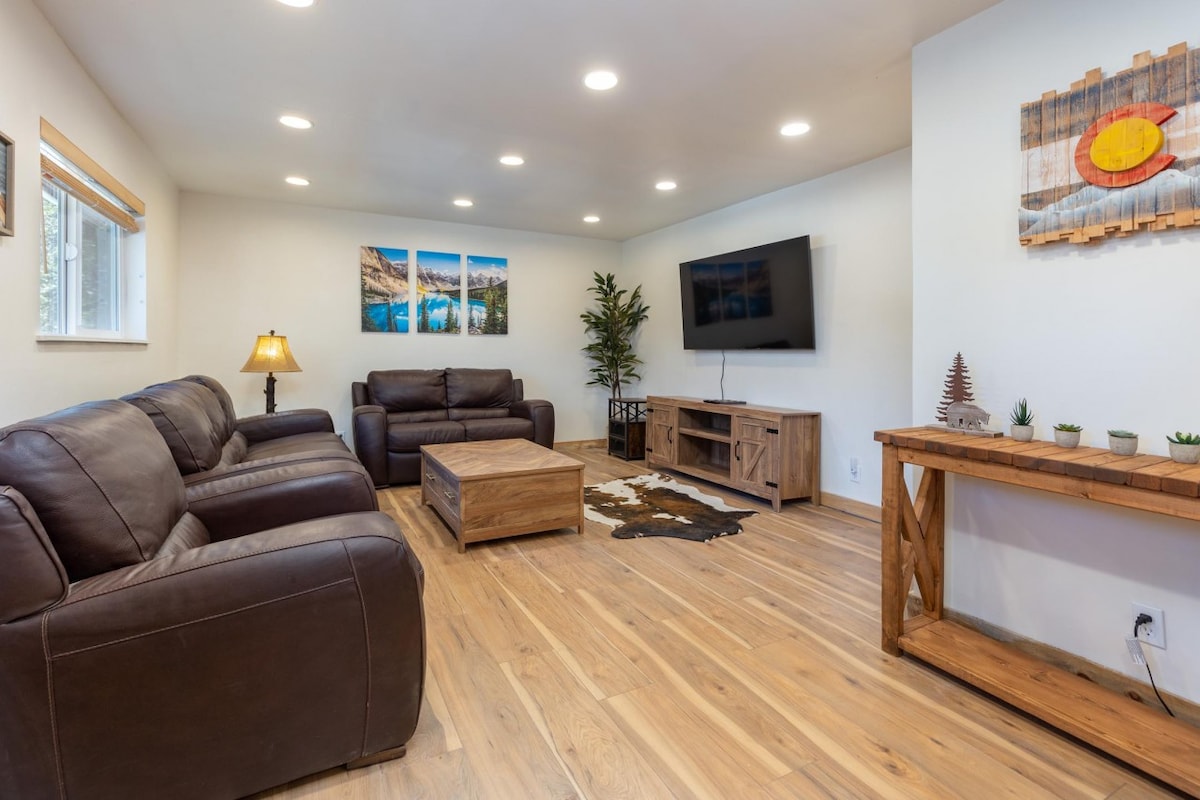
(754, 299)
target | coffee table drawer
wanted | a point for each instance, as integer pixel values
(440, 489)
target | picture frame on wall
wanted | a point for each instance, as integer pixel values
(6, 185)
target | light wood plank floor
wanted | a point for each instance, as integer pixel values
(566, 666)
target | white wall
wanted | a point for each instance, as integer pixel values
(44, 80)
(859, 375)
(1099, 335)
(249, 266)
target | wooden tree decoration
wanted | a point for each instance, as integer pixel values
(958, 387)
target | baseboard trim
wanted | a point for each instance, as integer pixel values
(856, 508)
(583, 443)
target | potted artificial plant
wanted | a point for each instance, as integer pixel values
(1022, 421)
(612, 325)
(1184, 447)
(1066, 434)
(1122, 443)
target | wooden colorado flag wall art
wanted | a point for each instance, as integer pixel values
(1115, 155)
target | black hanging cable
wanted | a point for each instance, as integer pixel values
(1141, 620)
(722, 374)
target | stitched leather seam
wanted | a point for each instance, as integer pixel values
(237, 557)
(231, 612)
(58, 767)
(362, 608)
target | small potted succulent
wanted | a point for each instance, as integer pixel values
(1066, 434)
(1022, 421)
(1122, 443)
(1184, 447)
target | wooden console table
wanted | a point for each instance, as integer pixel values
(773, 453)
(913, 543)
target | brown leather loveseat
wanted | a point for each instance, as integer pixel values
(146, 653)
(396, 411)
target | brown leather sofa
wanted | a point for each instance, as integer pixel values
(147, 652)
(290, 466)
(396, 411)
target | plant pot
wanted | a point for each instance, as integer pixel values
(1184, 453)
(1123, 445)
(1066, 438)
(1022, 433)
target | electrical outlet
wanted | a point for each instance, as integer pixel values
(1154, 632)
(855, 469)
(341, 435)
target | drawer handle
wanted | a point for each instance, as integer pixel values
(429, 476)
(450, 495)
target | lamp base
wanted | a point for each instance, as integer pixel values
(270, 393)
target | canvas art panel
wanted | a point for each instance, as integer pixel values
(383, 280)
(6, 180)
(439, 292)
(487, 295)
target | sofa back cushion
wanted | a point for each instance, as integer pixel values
(404, 390)
(101, 481)
(229, 416)
(189, 418)
(478, 393)
(35, 577)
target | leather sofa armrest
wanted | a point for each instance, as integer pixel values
(263, 427)
(359, 396)
(310, 637)
(541, 412)
(370, 441)
(34, 578)
(241, 502)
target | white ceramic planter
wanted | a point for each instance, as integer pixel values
(1022, 433)
(1184, 453)
(1123, 445)
(1066, 438)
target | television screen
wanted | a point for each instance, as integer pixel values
(759, 298)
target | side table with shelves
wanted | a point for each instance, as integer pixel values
(627, 427)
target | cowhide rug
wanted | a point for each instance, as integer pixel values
(656, 505)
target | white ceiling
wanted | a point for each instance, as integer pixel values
(415, 100)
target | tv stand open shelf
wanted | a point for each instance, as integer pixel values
(773, 453)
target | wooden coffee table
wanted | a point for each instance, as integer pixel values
(489, 490)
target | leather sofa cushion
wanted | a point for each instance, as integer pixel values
(35, 577)
(431, 415)
(408, 389)
(101, 480)
(228, 414)
(478, 388)
(409, 437)
(498, 428)
(317, 443)
(190, 419)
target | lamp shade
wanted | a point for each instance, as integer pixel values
(271, 354)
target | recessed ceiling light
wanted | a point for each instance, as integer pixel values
(795, 129)
(512, 161)
(296, 180)
(601, 80)
(665, 186)
(591, 218)
(299, 123)
(297, 3)
(463, 202)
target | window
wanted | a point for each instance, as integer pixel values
(92, 281)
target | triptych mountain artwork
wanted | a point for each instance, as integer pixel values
(442, 295)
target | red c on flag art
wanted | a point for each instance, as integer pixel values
(1124, 146)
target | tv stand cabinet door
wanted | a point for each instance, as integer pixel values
(756, 457)
(662, 421)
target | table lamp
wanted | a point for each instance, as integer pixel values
(271, 354)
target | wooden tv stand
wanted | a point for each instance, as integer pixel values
(773, 453)
(913, 547)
